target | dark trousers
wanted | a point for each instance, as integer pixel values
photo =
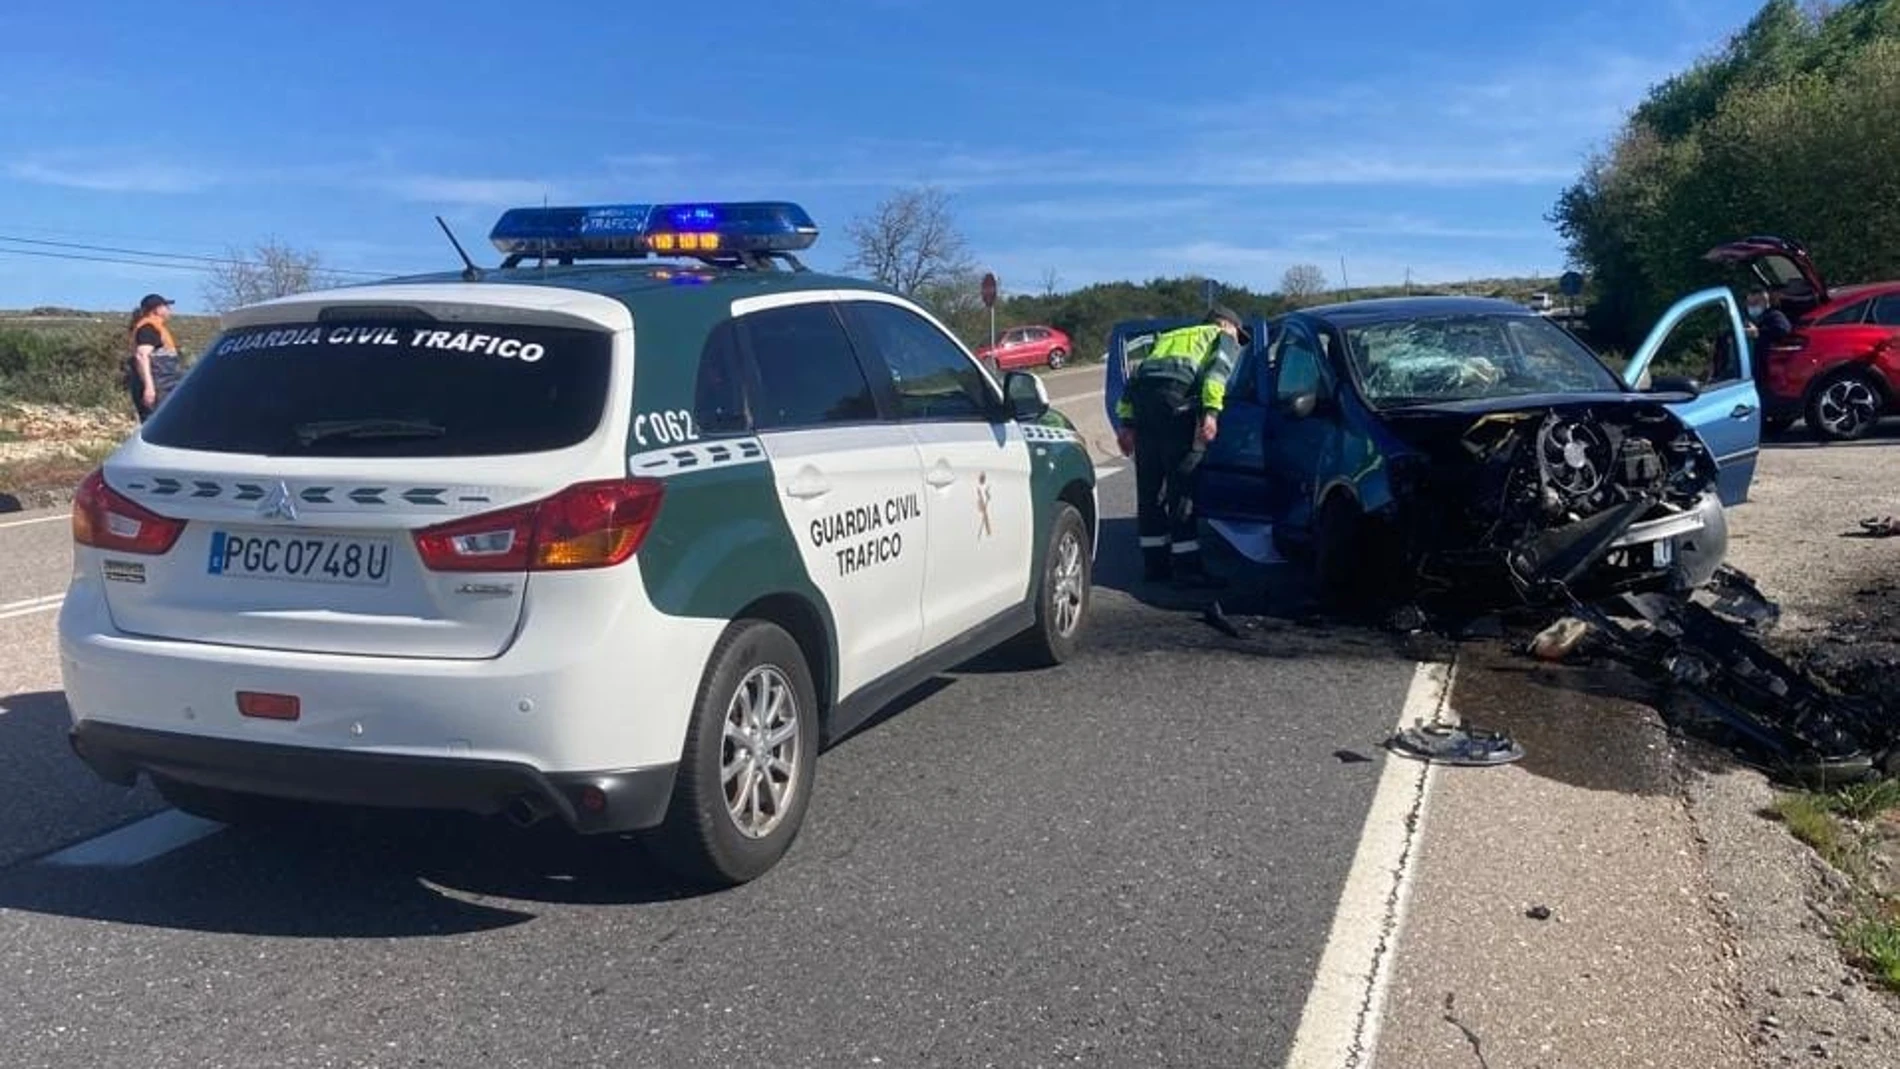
(139, 407)
(1167, 451)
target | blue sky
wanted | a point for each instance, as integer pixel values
(1099, 140)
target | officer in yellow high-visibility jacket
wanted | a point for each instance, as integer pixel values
(1168, 413)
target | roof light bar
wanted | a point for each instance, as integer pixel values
(621, 231)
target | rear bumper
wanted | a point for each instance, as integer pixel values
(626, 800)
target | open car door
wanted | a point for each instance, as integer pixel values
(1128, 342)
(1232, 491)
(1704, 333)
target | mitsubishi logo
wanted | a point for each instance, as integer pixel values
(278, 504)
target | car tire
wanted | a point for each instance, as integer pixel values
(1844, 407)
(717, 833)
(226, 807)
(1057, 358)
(1063, 593)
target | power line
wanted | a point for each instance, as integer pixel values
(207, 269)
(214, 261)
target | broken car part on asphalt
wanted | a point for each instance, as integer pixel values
(1445, 744)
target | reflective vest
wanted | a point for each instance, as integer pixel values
(164, 332)
(166, 370)
(1179, 360)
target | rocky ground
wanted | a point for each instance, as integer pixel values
(46, 449)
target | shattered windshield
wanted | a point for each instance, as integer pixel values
(1468, 358)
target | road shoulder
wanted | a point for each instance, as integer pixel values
(1631, 966)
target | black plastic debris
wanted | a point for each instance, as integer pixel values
(1715, 670)
(1216, 617)
(1881, 527)
(1538, 913)
(1732, 595)
(1446, 744)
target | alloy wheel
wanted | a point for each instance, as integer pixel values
(759, 761)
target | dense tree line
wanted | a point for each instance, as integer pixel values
(1788, 130)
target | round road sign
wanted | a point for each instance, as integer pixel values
(989, 290)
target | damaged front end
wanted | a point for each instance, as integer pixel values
(1582, 498)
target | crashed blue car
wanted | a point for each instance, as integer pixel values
(1447, 446)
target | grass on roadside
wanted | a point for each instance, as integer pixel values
(1875, 943)
(57, 471)
(1836, 824)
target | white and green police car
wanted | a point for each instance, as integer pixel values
(618, 543)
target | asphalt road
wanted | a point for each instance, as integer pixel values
(1131, 860)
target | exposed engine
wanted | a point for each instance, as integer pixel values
(1542, 489)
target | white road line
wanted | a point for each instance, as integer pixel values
(37, 519)
(24, 602)
(1076, 397)
(1112, 469)
(1339, 1028)
(30, 606)
(136, 843)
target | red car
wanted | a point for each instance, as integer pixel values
(1840, 368)
(1020, 347)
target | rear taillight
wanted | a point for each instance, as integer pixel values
(588, 525)
(103, 518)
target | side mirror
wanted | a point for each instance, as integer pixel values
(1028, 398)
(1300, 405)
(1675, 384)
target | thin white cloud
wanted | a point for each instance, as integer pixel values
(115, 178)
(468, 191)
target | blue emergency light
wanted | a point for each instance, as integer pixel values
(715, 231)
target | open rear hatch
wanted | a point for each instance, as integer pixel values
(1779, 264)
(318, 487)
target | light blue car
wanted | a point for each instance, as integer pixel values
(1449, 446)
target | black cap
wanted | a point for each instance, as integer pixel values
(1221, 311)
(153, 300)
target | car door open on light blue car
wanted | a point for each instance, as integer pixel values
(1726, 410)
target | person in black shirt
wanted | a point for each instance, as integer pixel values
(153, 368)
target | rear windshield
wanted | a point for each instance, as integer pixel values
(405, 389)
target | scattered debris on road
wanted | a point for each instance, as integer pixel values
(1561, 639)
(1715, 671)
(1538, 913)
(1216, 617)
(1881, 527)
(1446, 744)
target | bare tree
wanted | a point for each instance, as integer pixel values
(271, 268)
(1302, 282)
(909, 242)
(1051, 282)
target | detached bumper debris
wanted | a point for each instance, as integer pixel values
(1447, 745)
(1706, 658)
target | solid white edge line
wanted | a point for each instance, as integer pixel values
(4, 524)
(50, 606)
(137, 842)
(1339, 1026)
(26, 602)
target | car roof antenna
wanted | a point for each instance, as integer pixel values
(470, 273)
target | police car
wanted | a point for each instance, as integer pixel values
(617, 543)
